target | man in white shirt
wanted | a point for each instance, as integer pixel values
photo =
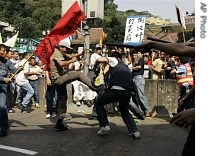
(33, 79)
(23, 82)
(93, 59)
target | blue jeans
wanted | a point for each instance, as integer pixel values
(18, 94)
(3, 107)
(34, 84)
(140, 83)
(134, 106)
(51, 99)
(111, 96)
(29, 93)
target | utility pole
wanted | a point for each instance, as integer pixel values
(87, 38)
(86, 46)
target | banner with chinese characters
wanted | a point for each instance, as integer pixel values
(134, 30)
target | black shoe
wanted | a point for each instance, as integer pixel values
(3, 133)
(24, 109)
(92, 117)
(19, 105)
(11, 111)
(141, 117)
(60, 126)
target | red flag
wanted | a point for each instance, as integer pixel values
(65, 27)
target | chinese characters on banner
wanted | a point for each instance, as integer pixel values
(134, 30)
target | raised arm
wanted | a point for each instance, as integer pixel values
(176, 49)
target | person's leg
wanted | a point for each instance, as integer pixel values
(62, 107)
(19, 97)
(126, 116)
(105, 98)
(140, 83)
(49, 100)
(55, 99)
(62, 97)
(72, 76)
(4, 123)
(135, 108)
(36, 93)
(29, 93)
(10, 97)
(189, 146)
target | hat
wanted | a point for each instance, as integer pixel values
(98, 46)
(65, 44)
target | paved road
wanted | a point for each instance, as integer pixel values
(35, 133)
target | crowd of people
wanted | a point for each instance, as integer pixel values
(115, 74)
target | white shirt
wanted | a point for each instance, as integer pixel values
(93, 59)
(21, 77)
(35, 68)
(112, 61)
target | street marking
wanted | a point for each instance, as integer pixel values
(20, 150)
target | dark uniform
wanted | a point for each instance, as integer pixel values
(6, 66)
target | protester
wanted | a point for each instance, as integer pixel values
(60, 79)
(137, 72)
(23, 82)
(120, 88)
(51, 95)
(33, 79)
(6, 66)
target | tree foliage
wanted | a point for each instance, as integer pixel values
(31, 17)
(188, 35)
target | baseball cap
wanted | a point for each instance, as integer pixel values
(98, 46)
(65, 44)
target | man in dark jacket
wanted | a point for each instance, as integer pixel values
(120, 88)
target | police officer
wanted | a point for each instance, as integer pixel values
(6, 66)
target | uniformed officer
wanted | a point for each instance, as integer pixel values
(6, 66)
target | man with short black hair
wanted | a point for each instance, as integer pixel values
(120, 88)
(6, 66)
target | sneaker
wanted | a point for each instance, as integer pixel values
(11, 111)
(78, 104)
(3, 133)
(48, 116)
(141, 117)
(24, 109)
(103, 130)
(37, 105)
(136, 135)
(60, 126)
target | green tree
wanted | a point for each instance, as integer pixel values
(31, 17)
(188, 36)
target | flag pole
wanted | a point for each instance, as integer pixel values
(183, 34)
